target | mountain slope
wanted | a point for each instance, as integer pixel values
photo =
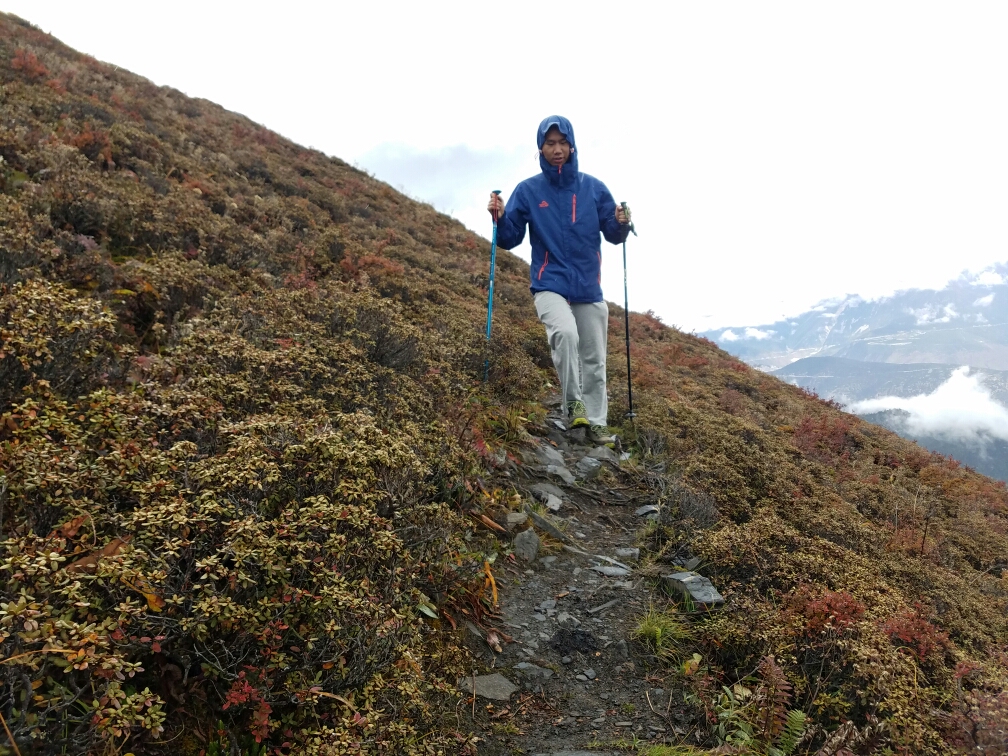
(947, 431)
(966, 323)
(250, 468)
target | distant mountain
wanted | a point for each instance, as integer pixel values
(965, 323)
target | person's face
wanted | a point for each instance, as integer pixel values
(556, 149)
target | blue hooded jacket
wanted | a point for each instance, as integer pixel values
(565, 211)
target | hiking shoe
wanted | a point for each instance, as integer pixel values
(601, 435)
(577, 414)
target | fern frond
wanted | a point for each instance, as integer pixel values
(791, 735)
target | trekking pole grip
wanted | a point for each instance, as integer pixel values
(626, 211)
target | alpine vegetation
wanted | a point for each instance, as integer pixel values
(255, 493)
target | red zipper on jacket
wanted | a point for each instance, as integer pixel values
(543, 265)
(574, 209)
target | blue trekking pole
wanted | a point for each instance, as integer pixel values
(493, 261)
(626, 314)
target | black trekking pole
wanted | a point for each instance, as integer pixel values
(493, 264)
(626, 315)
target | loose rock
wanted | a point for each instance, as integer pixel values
(631, 555)
(533, 670)
(514, 519)
(604, 454)
(588, 467)
(495, 687)
(543, 490)
(526, 545)
(610, 571)
(560, 472)
(696, 587)
(549, 456)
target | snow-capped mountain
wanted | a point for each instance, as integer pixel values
(965, 323)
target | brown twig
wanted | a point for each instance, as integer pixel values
(658, 713)
(9, 735)
(36, 651)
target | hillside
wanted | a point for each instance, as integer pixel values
(252, 478)
(965, 436)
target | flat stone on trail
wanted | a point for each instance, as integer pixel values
(533, 670)
(514, 519)
(696, 587)
(588, 467)
(549, 456)
(560, 472)
(647, 510)
(543, 491)
(604, 454)
(495, 686)
(526, 545)
(610, 571)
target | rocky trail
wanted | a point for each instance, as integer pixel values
(571, 677)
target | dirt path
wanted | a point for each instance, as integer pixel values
(583, 683)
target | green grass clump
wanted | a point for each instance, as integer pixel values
(664, 632)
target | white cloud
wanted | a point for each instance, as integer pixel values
(933, 314)
(756, 333)
(988, 278)
(984, 301)
(729, 335)
(961, 408)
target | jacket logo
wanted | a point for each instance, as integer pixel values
(544, 203)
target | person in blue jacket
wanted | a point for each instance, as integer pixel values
(566, 211)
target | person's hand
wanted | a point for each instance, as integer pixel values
(621, 216)
(495, 206)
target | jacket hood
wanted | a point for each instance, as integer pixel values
(568, 171)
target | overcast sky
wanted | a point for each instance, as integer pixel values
(774, 153)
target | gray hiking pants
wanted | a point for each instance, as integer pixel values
(577, 336)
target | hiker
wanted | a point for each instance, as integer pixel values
(565, 211)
